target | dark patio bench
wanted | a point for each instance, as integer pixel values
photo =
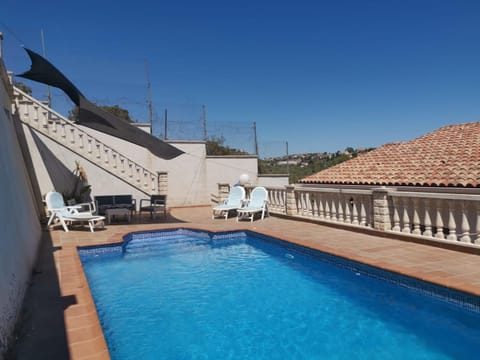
(104, 202)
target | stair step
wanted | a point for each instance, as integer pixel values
(38, 116)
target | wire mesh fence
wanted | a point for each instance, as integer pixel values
(189, 123)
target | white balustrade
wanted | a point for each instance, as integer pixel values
(52, 124)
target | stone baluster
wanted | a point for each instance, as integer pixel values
(333, 208)
(279, 204)
(416, 218)
(305, 202)
(298, 196)
(452, 226)
(45, 119)
(406, 217)
(321, 209)
(340, 211)
(80, 140)
(130, 166)
(89, 145)
(427, 219)
(122, 164)
(397, 204)
(54, 127)
(145, 178)
(316, 206)
(63, 133)
(36, 120)
(363, 213)
(439, 221)
(354, 211)
(137, 169)
(106, 151)
(298, 203)
(328, 214)
(313, 204)
(114, 159)
(477, 239)
(465, 225)
(98, 152)
(348, 214)
(26, 112)
(72, 135)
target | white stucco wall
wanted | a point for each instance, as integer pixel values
(227, 170)
(21, 231)
(186, 173)
(272, 180)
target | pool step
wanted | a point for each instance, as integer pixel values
(166, 245)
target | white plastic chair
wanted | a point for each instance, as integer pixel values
(68, 214)
(257, 204)
(235, 201)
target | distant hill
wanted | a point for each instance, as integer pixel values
(301, 165)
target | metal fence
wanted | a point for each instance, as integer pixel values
(189, 123)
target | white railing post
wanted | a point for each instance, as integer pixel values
(406, 217)
(106, 151)
(397, 204)
(36, 120)
(340, 213)
(439, 220)
(354, 212)
(45, 120)
(72, 135)
(477, 207)
(363, 213)
(89, 145)
(465, 225)
(427, 219)
(416, 218)
(348, 218)
(452, 226)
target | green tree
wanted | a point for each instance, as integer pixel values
(25, 88)
(216, 146)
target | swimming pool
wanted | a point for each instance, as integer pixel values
(184, 294)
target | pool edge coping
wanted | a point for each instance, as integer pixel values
(97, 342)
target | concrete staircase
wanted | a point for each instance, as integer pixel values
(38, 116)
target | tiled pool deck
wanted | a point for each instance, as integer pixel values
(59, 316)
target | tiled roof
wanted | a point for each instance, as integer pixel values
(449, 156)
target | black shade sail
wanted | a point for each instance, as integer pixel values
(92, 116)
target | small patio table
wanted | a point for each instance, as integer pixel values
(118, 212)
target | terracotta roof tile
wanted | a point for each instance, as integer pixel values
(449, 156)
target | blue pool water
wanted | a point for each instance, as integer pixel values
(190, 295)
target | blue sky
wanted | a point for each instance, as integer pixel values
(322, 75)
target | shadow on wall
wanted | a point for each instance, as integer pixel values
(63, 178)
(34, 186)
(40, 332)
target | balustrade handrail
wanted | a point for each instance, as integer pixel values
(80, 130)
(442, 196)
(333, 190)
